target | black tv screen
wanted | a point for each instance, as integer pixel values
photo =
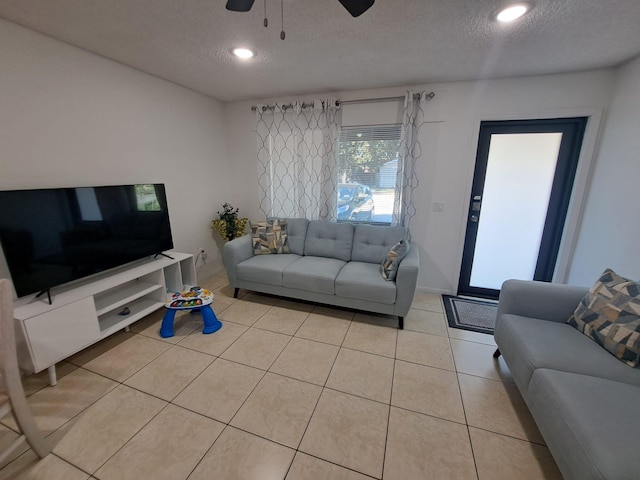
(54, 236)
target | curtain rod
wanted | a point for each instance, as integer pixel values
(428, 96)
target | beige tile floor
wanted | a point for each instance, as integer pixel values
(284, 390)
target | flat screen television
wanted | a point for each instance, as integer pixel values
(54, 236)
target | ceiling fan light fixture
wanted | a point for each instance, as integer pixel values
(239, 5)
(243, 53)
(512, 12)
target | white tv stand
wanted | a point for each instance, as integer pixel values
(88, 310)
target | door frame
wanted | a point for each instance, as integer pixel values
(580, 185)
(564, 172)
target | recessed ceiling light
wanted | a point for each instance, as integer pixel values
(243, 53)
(509, 14)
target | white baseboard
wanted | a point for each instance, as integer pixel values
(437, 291)
(208, 270)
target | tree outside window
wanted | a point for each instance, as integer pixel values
(147, 200)
(368, 167)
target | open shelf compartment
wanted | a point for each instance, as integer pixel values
(138, 308)
(90, 310)
(124, 294)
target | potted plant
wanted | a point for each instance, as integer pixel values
(228, 225)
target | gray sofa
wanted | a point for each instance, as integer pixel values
(584, 400)
(330, 263)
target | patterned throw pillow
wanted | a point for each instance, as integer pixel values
(610, 314)
(391, 262)
(270, 237)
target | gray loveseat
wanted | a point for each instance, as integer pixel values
(584, 400)
(331, 263)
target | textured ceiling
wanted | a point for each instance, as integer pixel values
(396, 42)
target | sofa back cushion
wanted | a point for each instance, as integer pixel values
(297, 231)
(371, 243)
(329, 239)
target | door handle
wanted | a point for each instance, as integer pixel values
(475, 203)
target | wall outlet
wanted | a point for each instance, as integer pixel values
(203, 254)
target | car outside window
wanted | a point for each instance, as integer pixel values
(368, 167)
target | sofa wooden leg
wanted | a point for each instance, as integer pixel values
(235, 292)
(497, 353)
(400, 323)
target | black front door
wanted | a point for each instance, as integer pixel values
(522, 185)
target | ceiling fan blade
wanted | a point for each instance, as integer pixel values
(240, 5)
(356, 7)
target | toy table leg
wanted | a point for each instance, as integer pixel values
(166, 330)
(211, 322)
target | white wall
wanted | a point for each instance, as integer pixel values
(610, 232)
(447, 168)
(72, 118)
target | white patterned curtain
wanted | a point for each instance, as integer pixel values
(413, 123)
(297, 159)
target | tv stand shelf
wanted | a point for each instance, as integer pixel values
(85, 312)
(121, 296)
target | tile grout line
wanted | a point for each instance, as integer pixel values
(510, 436)
(228, 424)
(131, 438)
(324, 387)
(207, 452)
(393, 377)
(167, 402)
(464, 410)
(69, 463)
(84, 410)
(118, 383)
(263, 375)
(336, 464)
(486, 378)
(473, 341)
(473, 453)
(132, 374)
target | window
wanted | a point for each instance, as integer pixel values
(368, 166)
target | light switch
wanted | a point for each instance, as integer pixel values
(438, 206)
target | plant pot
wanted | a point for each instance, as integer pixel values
(228, 230)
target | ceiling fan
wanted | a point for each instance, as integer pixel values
(354, 7)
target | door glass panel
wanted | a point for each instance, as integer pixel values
(518, 181)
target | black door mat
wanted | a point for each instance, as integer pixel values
(470, 314)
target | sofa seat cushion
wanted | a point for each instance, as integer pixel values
(529, 343)
(363, 281)
(590, 424)
(315, 274)
(266, 269)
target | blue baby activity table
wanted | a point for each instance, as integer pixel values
(195, 299)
